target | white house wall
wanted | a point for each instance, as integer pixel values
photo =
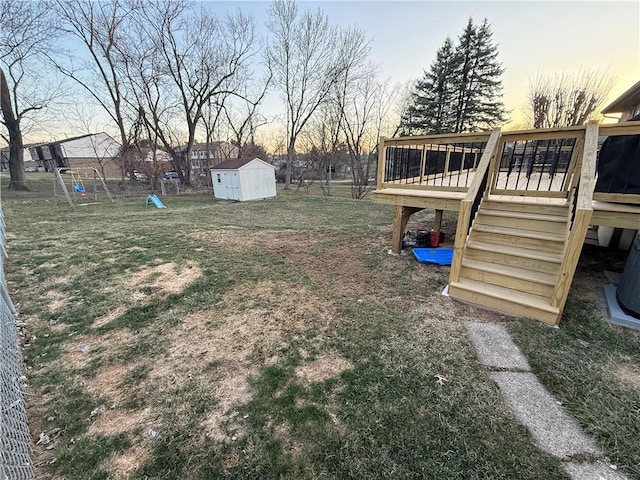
(99, 145)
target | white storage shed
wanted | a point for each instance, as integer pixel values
(243, 179)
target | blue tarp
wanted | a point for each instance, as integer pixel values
(438, 256)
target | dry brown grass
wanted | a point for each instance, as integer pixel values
(109, 317)
(165, 278)
(56, 300)
(122, 465)
(627, 375)
(237, 343)
(323, 368)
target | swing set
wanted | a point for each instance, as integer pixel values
(76, 190)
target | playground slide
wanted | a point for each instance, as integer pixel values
(156, 201)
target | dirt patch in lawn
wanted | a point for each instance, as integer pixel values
(224, 346)
(110, 422)
(323, 368)
(108, 382)
(112, 315)
(627, 375)
(122, 465)
(167, 278)
(290, 444)
(56, 300)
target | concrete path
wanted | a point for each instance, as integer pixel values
(554, 430)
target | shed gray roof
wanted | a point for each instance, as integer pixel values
(233, 163)
(629, 99)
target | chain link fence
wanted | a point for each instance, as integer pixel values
(15, 441)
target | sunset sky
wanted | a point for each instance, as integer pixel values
(533, 38)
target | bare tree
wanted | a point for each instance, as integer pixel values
(566, 99)
(243, 118)
(25, 32)
(203, 57)
(356, 96)
(102, 27)
(302, 56)
(323, 142)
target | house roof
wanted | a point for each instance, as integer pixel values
(629, 99)
(235, 163)
(198, 146)
(70, 139)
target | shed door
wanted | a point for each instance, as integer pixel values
(232, 181)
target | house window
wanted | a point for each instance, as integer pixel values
(219, 179)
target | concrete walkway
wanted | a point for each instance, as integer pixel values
(554, 430)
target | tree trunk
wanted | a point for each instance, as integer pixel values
(290, 157)
(16, 160)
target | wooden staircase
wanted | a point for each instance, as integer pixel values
(512, 258)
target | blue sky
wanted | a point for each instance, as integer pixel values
(532, 37)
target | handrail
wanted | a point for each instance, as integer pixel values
(622, 128)
(579, 224)
(474, 187)
(439, 138)
(588, 172)
(466, 206)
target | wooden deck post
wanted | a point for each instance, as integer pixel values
(437, 221)
(382, 161)
(401, 216)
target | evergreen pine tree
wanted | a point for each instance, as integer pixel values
(431, 110)
(479, 104)
(462, 90)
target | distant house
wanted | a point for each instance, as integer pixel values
(29, 163)
(97, 150)
(243, 179)
(206, 155)
(627, 104)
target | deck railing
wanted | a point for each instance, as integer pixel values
(530, 162)
(469, 206)
(537, 162)
(430, 162)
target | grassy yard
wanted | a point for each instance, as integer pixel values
(277, 339)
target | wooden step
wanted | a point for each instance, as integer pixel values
(559, 210)
(524, 215)
(512, 257)
(505, 300)
(523, 221)
(523, 253)
(529, 281)
(543, 241)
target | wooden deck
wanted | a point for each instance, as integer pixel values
(520, 230)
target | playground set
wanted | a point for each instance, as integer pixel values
(73, 183)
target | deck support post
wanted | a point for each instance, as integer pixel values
(401, 216)
(437, 221)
